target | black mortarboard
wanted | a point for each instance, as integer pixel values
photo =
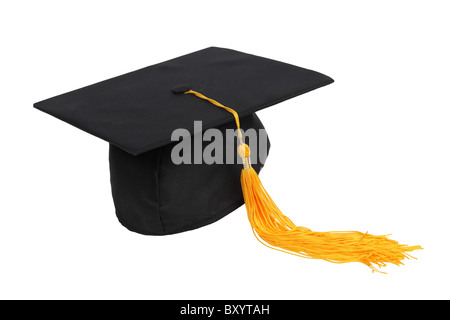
(138, 112)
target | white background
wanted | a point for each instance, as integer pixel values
(370, 152)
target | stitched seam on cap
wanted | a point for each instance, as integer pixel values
(158, 189)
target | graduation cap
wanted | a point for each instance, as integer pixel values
(138, 113)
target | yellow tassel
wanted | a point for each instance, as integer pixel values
(280, 233)
(276, 231)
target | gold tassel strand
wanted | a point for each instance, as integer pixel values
(279, 232)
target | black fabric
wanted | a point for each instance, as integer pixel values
(180, 89)
(137, 111)
(153, 196)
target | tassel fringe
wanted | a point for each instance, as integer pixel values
(276, 231)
